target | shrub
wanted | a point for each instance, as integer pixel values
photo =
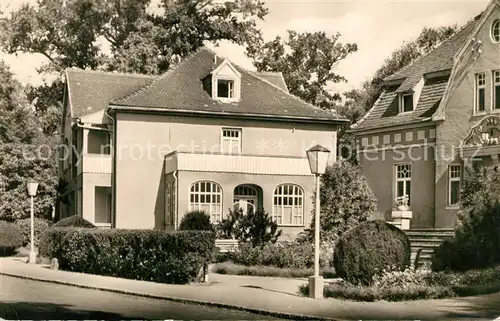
(256, 228)
(149, 255)
(280, 255)
(74, 221)
(25, 226)
(196, 220)
(370, 248)
(477, 236)
(346, 200)
(10, 238)
(445, 257)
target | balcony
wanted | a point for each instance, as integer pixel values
(94, 163)
(237, 163)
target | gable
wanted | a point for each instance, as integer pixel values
(427, 77)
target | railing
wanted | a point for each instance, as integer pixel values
(95, 163)
(237, 163)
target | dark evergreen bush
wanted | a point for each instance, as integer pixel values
(196, 220)
(10, 238)
(74, 221)
(257, 228)
(149, 255)
(40, 225)
(477, 236)
(370, 248)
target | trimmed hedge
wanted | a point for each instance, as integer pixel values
(10, 238)
(196, 221)
(149, 255)
(370, 248)
(24, 225)
(74, 221)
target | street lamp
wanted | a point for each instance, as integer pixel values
(318, 158)
(32, 187)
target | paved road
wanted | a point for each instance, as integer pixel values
(26, 299)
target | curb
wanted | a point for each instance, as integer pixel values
(289, 316)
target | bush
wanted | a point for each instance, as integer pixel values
(281, 255)
(149, 255)
(370, 248)
(477, 236)
(25, 226)
(10, 238)
(256, 228)
(196, 220)
(74, 221)
(346, 200)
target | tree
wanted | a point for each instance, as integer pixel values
(24, 153)
(346, 200)
(307, 61)
(124, 35)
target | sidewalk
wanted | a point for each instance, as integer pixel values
(272, 296)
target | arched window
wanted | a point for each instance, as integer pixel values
(495, 31)
(288, 205)
(206, 196)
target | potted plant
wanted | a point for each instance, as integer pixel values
(401, 203)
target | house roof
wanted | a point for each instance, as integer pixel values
(181, 90)
(91, 91)
(385, 110)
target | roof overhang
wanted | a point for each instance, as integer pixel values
(214, 114)
(392, 127)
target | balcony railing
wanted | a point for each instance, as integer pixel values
(237, 163)
(95, 163)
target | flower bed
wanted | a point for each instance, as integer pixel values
(416, 285)
(261, 270)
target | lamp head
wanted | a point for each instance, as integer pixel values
(318, 159)
(32, 188)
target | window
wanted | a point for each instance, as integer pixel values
(453, 184)
(496, 89)
(248, 194)
(403, 181)
(288, 205)
(169, 204)
(206, 196)
(480, 92)
(406, 103)
(231, 140)
(225, 88)
(495, 31)
(102, 205)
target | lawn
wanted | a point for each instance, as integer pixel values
(261, 270)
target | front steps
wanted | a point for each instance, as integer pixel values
(427, 240)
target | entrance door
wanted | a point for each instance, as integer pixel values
(245, 197)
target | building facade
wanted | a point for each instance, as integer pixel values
(206, 135)
(433, 118)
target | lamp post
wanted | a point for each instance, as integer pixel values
(318, 158)
(32, 187)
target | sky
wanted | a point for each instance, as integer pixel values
(378, 27)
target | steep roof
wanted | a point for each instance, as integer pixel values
(276, 78)
(91, 91)
(385, 110)
(181, 89)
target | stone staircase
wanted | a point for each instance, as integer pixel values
(427, 240)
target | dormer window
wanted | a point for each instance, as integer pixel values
(225, 88)
(406, 103)
(225, 83)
